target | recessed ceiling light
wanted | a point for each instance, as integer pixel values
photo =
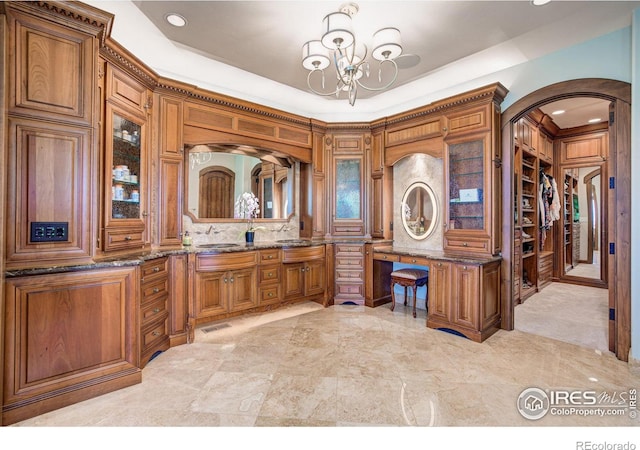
(176, 20)
(595, 120)
(555, 113)
(539, 2)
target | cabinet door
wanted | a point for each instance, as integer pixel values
(178, 297)
(210, 293)
(439, 302)
(466, 296)
(242, 285)
(293, 276)
(170, 188)
(125, 172)
(467, 208)
(314, 278)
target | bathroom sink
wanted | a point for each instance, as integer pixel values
(292, 241)
(225, 245)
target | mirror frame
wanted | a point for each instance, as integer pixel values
(262, 155)
(436, 209)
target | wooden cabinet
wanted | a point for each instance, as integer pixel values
(471, 208)
(178, 299)
(380, 189)
(51, 126)
(439, 292)
(126, 163)
(168, 177)
(154, 308)
(465, 298)
(347, 193)
(270, 276)
(583, 149)
(225, 284)
(349, 273)
(303, 273)
(68, 337)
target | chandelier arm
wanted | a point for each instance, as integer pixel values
(318, 92)
(395, 76)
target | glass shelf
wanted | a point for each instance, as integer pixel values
(125, 162)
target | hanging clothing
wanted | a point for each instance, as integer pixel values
(555, 203)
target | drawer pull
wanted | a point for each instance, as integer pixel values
(270, 294)
(464, 244)
(231, 279)
(127, 238)
(226, 280)
(413, 260)
(270, 256)
(156, 290)
(156, 269)
(384, 257)
(270, 275)
(156, 310)
(156, 333)
(464, 267)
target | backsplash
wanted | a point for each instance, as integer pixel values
(427, 169)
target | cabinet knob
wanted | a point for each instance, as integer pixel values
(156, 290)
(232, 279)
(127, 238)
(270, 256)
(226, 280)
(156, 333)
(156, 310)
(464, 244)
(464, 267)
(413, 260)
(385, 257)
(156, 269)
(270, 294)
(439, 264)
(269, 274)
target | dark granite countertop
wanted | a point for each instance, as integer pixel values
(438, 255)
(135, 259)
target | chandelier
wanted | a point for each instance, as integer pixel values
(339, 41)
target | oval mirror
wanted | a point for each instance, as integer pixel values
(419, 210)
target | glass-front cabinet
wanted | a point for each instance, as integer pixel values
(470, 178)
(125, 187)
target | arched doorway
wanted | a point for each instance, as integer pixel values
(619, 197)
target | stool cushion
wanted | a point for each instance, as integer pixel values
(410, 274)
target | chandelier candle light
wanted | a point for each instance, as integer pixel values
(338, 38)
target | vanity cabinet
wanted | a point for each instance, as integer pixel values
(154, 308)
(270, 276)
(303, 273)
(126, 163)
(225, 284)
(465, 298)
(349, 270)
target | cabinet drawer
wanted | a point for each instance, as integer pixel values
(154, 290)
(154, 333)
(271, 294)
(415, 260)
(153, 310)
(350, 275)
(349, 249)
(350, 289)
(468, 245)
(121, 239)
(469, 120)
(386, 257)
(349, 263)
(207, 263)
(269, 274)
(302, 254)
(270, 256)
(156, 268)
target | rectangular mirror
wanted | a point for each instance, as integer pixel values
(216, 177)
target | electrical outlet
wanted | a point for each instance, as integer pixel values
(49, 231)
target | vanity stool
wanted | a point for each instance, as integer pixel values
(408, 278)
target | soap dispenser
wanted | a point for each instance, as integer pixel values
(186, 239)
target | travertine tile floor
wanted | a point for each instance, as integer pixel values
(350, 366)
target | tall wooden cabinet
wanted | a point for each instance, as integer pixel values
(126, 162)
(472, 167)
(52, 160)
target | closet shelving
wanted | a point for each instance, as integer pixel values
(528, 222)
